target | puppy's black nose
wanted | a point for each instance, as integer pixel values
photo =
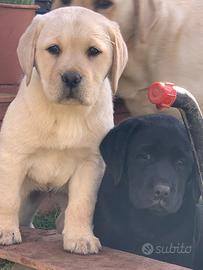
(161, 191)
(71, 79)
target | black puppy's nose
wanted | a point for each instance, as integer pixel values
(161, 191)
(71, 79)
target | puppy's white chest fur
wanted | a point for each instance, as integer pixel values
(60, 151)
(52, 168)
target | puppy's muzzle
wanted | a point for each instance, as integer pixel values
(161, 192)
(71, 81)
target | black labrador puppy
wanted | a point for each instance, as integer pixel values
(148, 195)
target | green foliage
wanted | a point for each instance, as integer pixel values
(46, 222)
(17, 2)
(5, 265)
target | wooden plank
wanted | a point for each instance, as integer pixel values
(3, 109)
(6, 97)
(20, 267)
(9, 89)
(43, 250)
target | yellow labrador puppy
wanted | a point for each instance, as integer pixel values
(164, 40)
(52, 130)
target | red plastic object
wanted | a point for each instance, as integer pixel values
(162, 94)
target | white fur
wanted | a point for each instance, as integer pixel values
(164, 40)
(46, 144)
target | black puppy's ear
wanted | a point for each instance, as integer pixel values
(194, 184)
(197, 185)
(114, 148)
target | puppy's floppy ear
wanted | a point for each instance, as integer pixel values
(148, 14)
(120, 55)
(27, 46)
(114, 148)
(194, 184)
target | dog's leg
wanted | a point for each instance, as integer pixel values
(12, 174)
(83, 188)
(62, 201)
(30, 206)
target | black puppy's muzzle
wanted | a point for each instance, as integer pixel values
(161, 192)
(71, 81)
(160, 198)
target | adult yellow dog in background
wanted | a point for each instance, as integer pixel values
(52, 130)
(164, 40)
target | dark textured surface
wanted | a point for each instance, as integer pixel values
(120, 110)
(43, 250)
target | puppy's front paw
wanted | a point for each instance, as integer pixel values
(82, 245)
(10, 236)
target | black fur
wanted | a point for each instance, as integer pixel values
(148, 193)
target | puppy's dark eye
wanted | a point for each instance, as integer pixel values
(55, 50)
(143, 156)
(103, 4)
(66, 2)
(92, 52)
(180, 163)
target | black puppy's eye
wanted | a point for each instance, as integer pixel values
(143, 156)
(66, 2)
(103, 4)
(180, 163)
(55, 50)
(92, 51)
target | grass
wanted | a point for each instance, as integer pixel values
(46, 221)
(41, 221)
(17, 2)
(5, 265)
